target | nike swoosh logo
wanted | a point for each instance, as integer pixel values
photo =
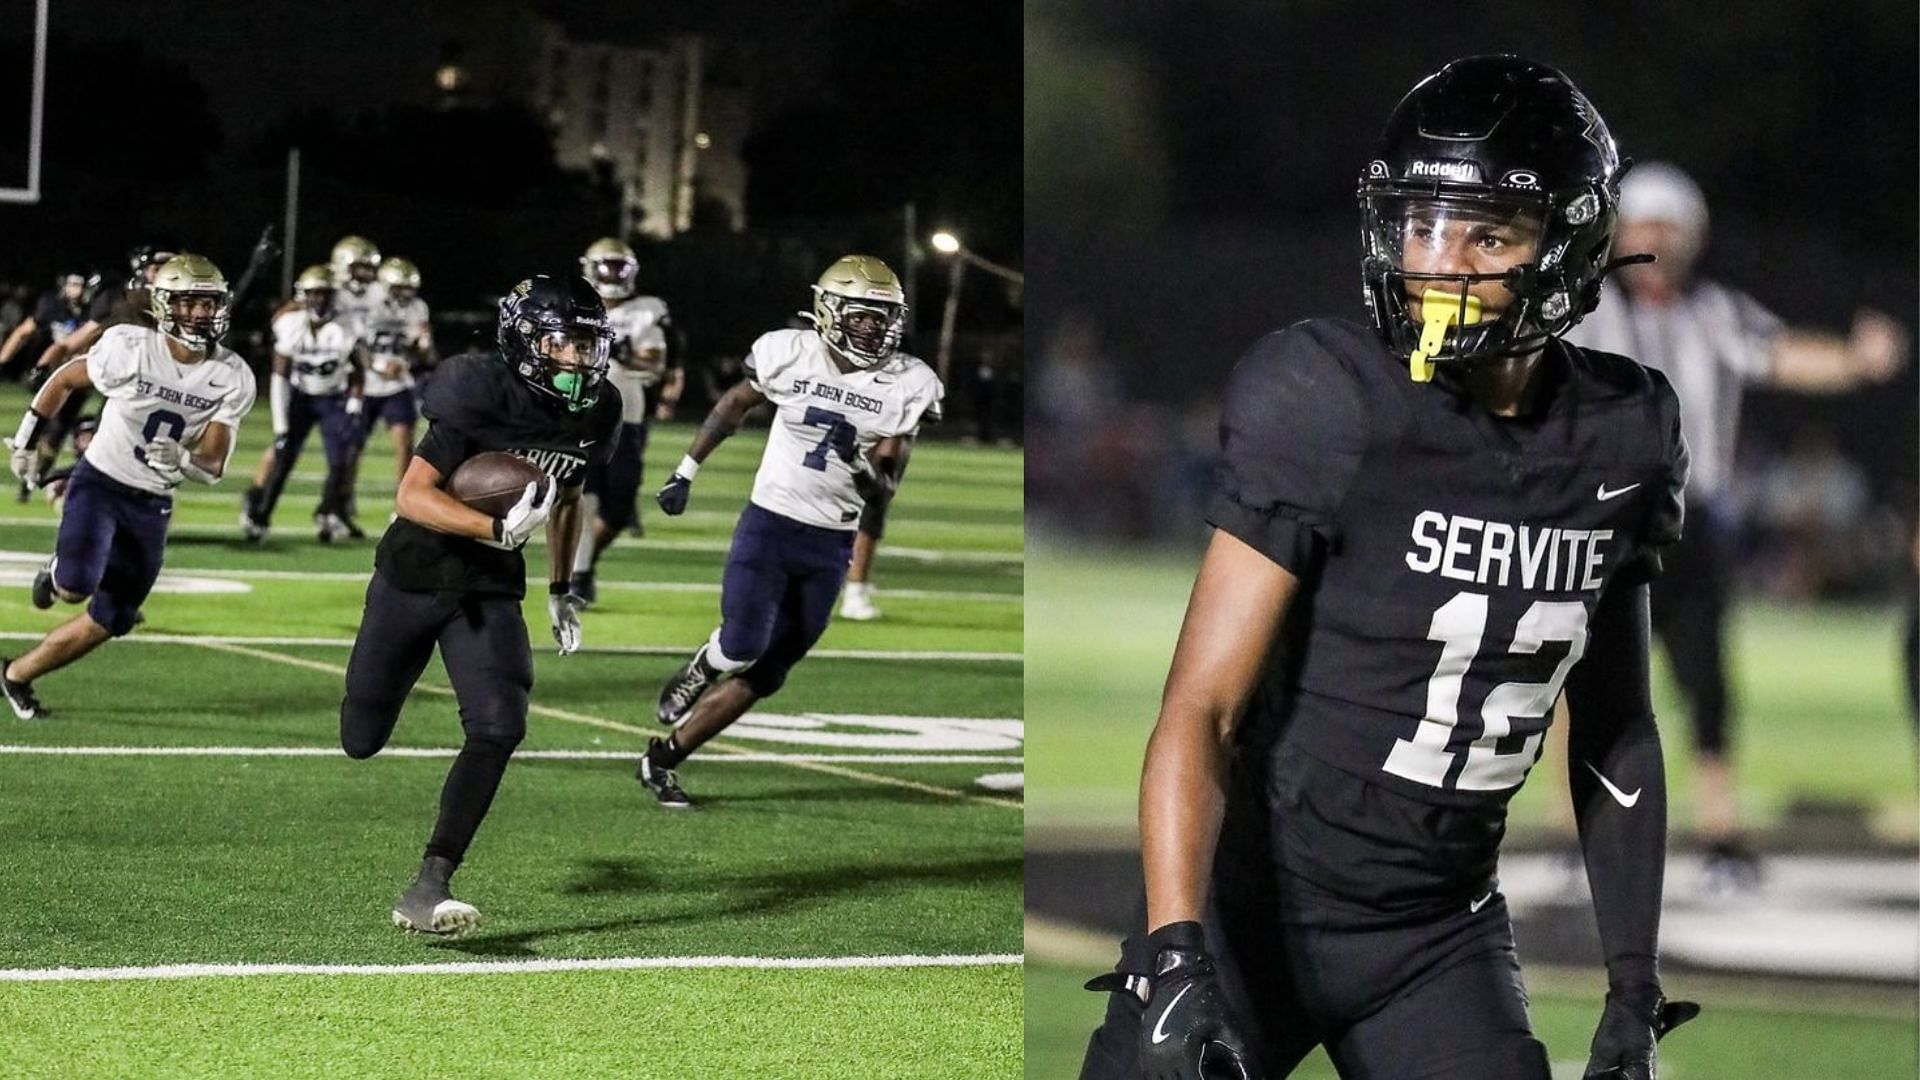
(1619, 796)
(1603, 494)
(1160, 1032)
(588, 442)
(1480, 903)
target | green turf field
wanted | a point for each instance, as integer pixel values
(843, 828)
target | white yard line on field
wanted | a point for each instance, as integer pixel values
(888, 551)
(635, 729)
(217, 640)
(743, 757)
(507, 967)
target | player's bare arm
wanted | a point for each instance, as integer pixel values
(70, 346)
(563, 534)
(18, 338)
(423, 501)
(725, 418)
(1240, 598)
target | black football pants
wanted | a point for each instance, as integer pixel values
(483, 640)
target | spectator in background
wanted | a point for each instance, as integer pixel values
(59, 312)
(1711, 341)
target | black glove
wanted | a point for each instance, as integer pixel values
(673, 495)
(1635, 1019)
(1188, 1032)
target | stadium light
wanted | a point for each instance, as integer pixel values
(948, 244)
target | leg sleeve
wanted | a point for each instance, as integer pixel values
(397, 632)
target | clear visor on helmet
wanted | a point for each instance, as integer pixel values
(613, 277)
(1435, 238)
(575, 348)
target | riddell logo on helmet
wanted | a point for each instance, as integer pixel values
(1465, 171)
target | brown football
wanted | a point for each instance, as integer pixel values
(492, 482)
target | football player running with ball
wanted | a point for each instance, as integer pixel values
(848, 405)
(449, 575)
(1425, 530)
(175, 399)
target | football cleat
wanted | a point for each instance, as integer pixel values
(349, 527)
(857, 603)
(685, 688)
(43, 593)
(20, 695)
(1730, 871)
(329, 527)
(582, 585)
(428, 907)
(664, 783)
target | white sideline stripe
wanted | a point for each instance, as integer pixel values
(746, 757)
(216, 640)
(301, 529)
(507, 967)
(634, 729)
(621, 586)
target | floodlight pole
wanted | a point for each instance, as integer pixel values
(957, 269)
(292, 221)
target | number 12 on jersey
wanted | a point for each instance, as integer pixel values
(1459, 625)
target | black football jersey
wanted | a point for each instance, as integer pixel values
(1450, 560)
(476, 405)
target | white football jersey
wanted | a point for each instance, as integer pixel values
(820, 412)
(354, 311)
(639, 324)
(320, 354)
(393, 332)
(150, 394)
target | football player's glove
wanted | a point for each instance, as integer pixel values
(1188, 1031)
(510, 533)
(1636, 1018)
(171, 460)
(563, 611)
(24, 462)
(673, 495)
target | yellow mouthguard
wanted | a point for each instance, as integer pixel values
(1438, 310)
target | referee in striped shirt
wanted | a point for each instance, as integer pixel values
(1712, 341)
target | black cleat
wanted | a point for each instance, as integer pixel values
(583, 586)
(427, 907)
(43, 594)
(1731, 870)
(664, 783)
(20, 695)
(354, 531)
(685, 688)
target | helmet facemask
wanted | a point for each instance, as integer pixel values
(865, 333)
(1507, 272)
(613, 277)
(570, 362)
(197, 318)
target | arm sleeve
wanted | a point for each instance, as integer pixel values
(1292, 436)
(1618, 781)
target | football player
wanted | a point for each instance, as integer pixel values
(446, 574)
(316, 383)
(60, 318)
(648, 384)
(1425, 530)
(1713, 341)
(398, 339)
(355, 265)
(848, 404)
(175, 399)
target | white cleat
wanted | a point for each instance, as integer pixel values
(857, 603)
(451, 917)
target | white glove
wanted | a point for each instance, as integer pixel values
(171, 460)
(510, 533)
(563, 610)
(354, 405)
(24, 462)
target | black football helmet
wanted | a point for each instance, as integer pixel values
(1494, 139)
(539, 319)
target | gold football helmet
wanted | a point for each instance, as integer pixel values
(191, 302)
(860, 310)
(611, 266)
(401, 278)
(314, 289)
(354, 262)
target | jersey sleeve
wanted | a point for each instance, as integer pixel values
(1756, 331)
(113, 364)
(1666, 519)
(770, 358)
(926, 406)
(240, 402)
(460, 394)
(1292, 436)
(444, 447)
(286, 330)
(47, 311)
